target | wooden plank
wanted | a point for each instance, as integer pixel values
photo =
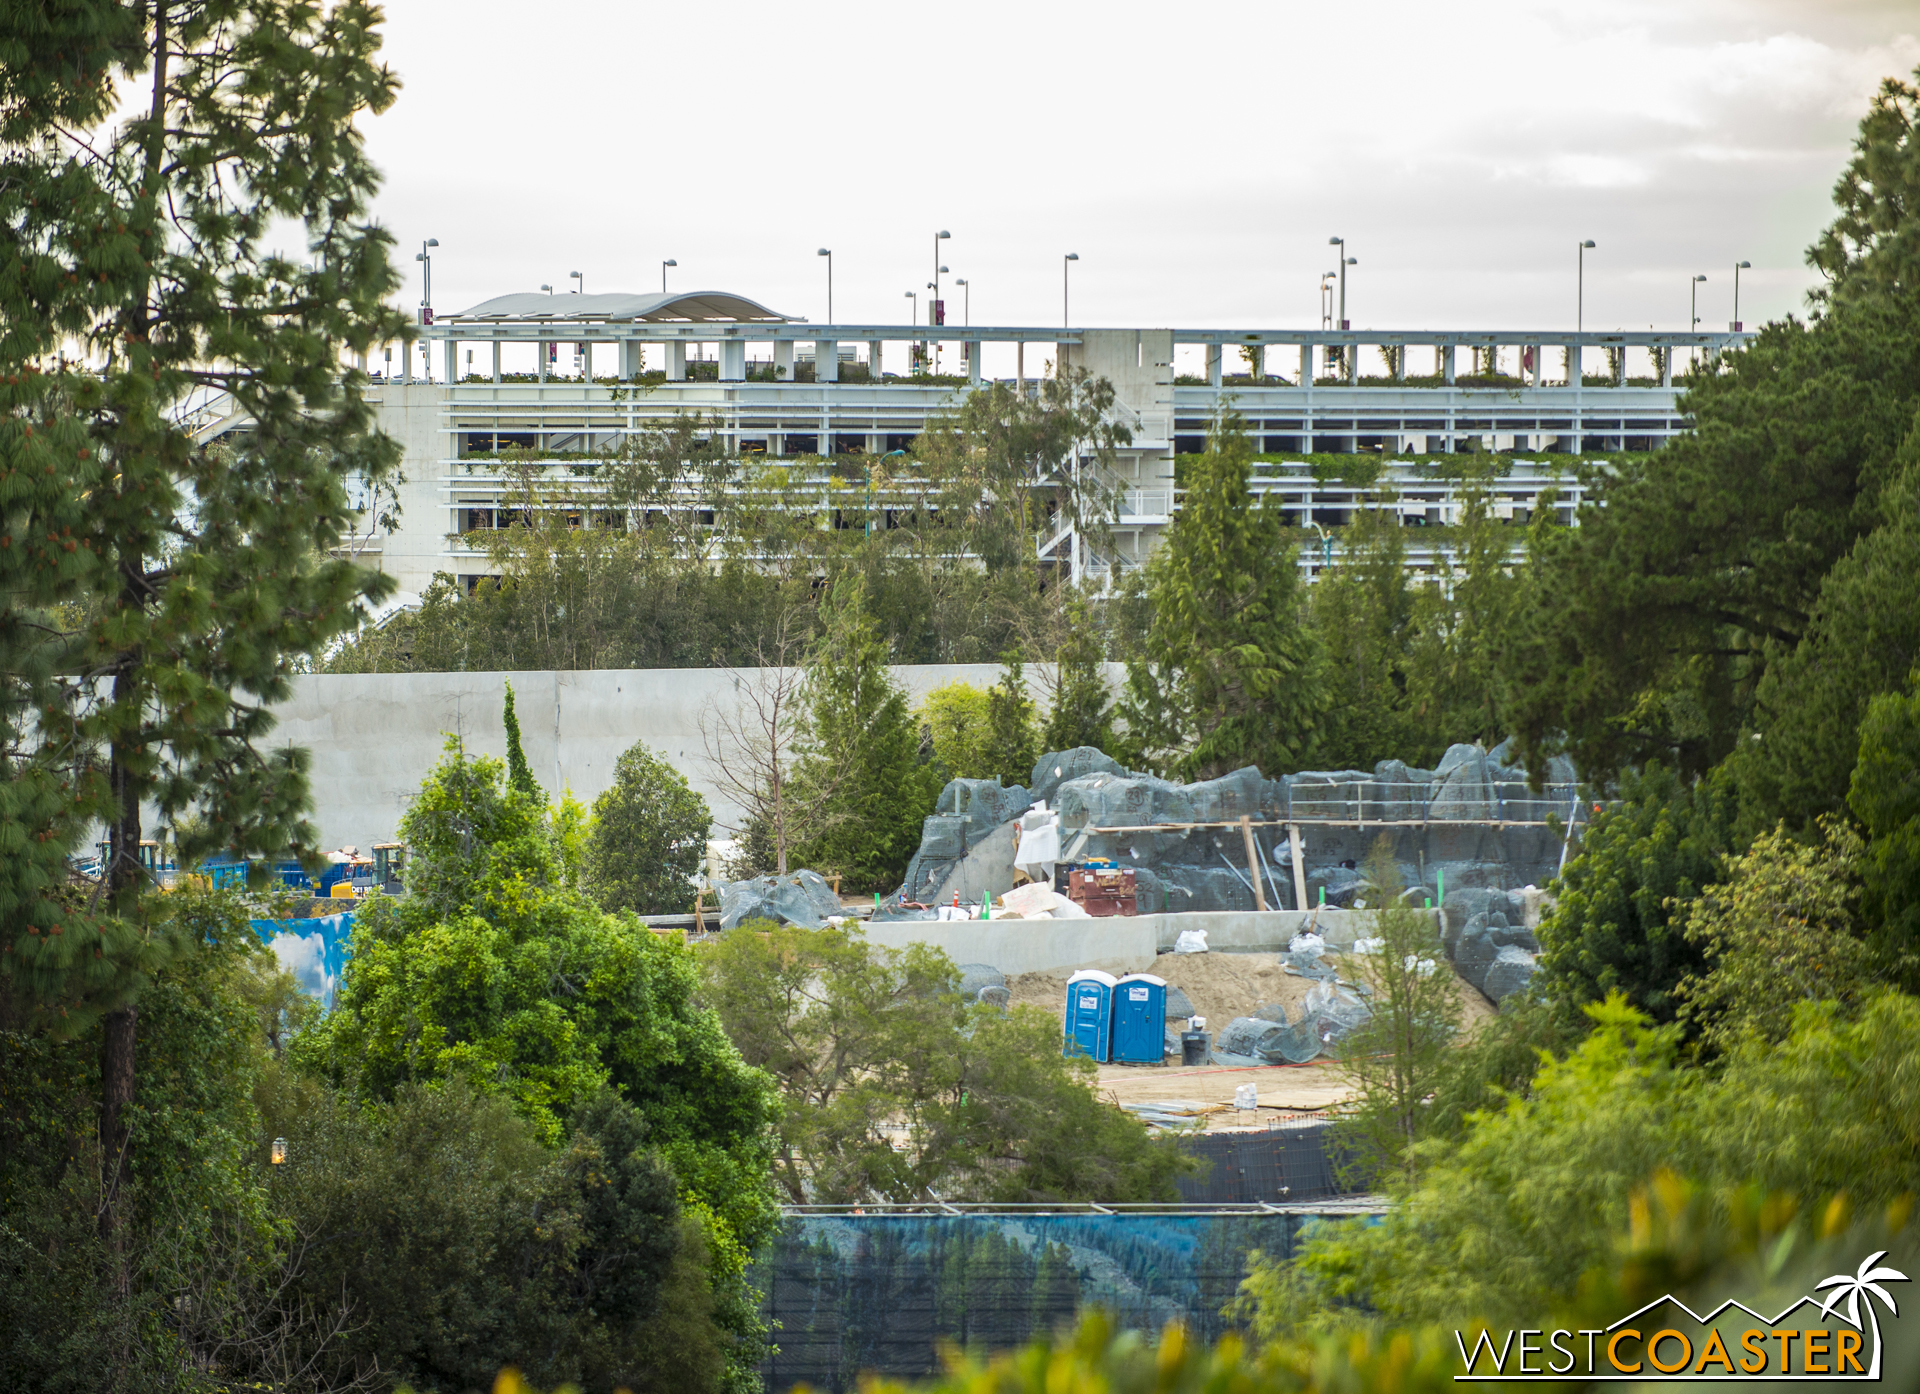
(1253, 862)
(1299, 868)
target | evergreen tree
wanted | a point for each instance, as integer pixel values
(1886, 798)
(1082, 705)
(519, 772)
(861, 757)
(1012, 743)
(1227, 674)
(1454, 679)
(190, 576)
(649, 836)
(1364, 612)
(1620, 923)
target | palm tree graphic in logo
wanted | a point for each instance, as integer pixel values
(1850, 1286)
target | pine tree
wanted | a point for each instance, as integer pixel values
(159, 590)
(1012, 744)
(860, 761)
(519, 772)
(1082, 705)
(1227, 674)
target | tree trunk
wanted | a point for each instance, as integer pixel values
(116, 1095)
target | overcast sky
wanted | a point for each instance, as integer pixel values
(1197, 157)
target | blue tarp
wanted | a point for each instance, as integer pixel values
(314, 951)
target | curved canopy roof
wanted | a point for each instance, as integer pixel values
(694, 305)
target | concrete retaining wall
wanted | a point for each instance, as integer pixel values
(374, 736)
(1119, 944)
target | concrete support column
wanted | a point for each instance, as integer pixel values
(733, 361)
(1449, 363)
(826, 366)
(452, 360)
(496, 360)
(876, 356)
(677, 361)
(632, 359)
(972, 351)
(1352, 352)
(783, 360)
(586, 362)
(1666, 368)
(1020, 365)
(406, 362)
(1213, 365)
(541, 368)
(1306, 365)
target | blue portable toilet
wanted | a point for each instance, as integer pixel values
(1140, 1019)
(1090, 1014)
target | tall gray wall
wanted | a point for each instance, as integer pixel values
(374, 736)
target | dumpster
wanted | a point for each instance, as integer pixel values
(1140, 1019)
(1090, 1014)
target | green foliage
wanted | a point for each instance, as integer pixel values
(648, 836)
(1227, 674)
(1506, 1223)
(860, 1037)
(1782, 928)
(1658, 624)
(1886, 797)
(1499, 1060)
(957, 717)
(457, 1243)
(1013, 735)
(1617, 925)
(1396, 1058)
(1873, 247)
(1861, 639)
(494, 972)
(1082, 704)
(159, 590)
(859, 761)
(199, 1239)
(519, 772)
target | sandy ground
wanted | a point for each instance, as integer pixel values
(1223, 986)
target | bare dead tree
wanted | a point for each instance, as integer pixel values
(751, 741)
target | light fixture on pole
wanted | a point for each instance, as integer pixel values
(425, 258)
(966, 302)
(581, 288)
(1066, 304)
(1693, 303)
(828, 254)
(663, 273)
(913, 316)
(1738, 267)
(547, 289)
(933, 310)
(1345, 262)
(1580, 299)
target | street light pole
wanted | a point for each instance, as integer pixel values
(1693, 303)
(663, 273)
(933, 310)
(1738, 267)
(828, 254)
(1345, 262)
(966, 303)
(1580, 303)
(581, 288)
(1066, 304)
(426, 282)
